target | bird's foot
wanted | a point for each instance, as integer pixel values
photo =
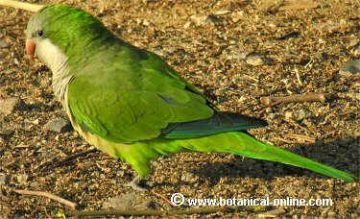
(136, 184)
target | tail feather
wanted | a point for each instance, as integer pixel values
(273, 153)
(240, 143)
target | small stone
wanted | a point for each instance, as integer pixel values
(22, 179)
(222, 12)
(237, 16)
(3, 44)
(189, 177)
(129, 201)
(35, 122)
(202, 20)
(198, 20)
(187, 24)
(2, 179)
(272, 25)
(301, 114)
(255, 60)
(159, 52)
(321, 41)
(16, 61)
(357, 50)
(271, 116)
(58, 125)
(235, 54)
(146, 23)
(354, 42)
(7, 106)
(288, 115)
(269, 110)
(34, 184)
(352, 66)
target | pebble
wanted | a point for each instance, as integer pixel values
(202, 20)
(357, 50)
(352, 66)
(16, 61)
(22, 179)
(236, 55)
(189, 177)
(187, 24)
(8, 106)
(222, 12)
(297, 115)
(2, 179)
(237, 16)
(301, 114)
(354, 42)
(288, 115)
(255, 60)
(198, 20)
(3, 44)
(129, 201)
(58, 125)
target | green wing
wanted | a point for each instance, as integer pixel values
(126, 95)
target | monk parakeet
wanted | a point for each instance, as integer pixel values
(130, 104)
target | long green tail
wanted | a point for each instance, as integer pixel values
(238, 143)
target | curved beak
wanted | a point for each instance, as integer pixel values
(30, 48)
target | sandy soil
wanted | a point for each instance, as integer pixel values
(299, 47)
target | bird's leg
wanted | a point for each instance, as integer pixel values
(135, 184)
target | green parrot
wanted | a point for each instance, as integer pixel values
(131, 105)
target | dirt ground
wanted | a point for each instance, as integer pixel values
(237, 52)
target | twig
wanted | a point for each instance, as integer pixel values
(298, 78)
(162, 197)
(302, 138)
(283, 140)
(296, 98)
(132, 212)
(70, 204)
(22, 5)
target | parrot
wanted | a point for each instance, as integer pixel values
(129, 103)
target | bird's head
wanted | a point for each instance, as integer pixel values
(62, 29)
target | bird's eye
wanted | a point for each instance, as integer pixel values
(40, 33)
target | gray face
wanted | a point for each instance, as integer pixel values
(34, 28)
(35, 35)
(38, 44)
